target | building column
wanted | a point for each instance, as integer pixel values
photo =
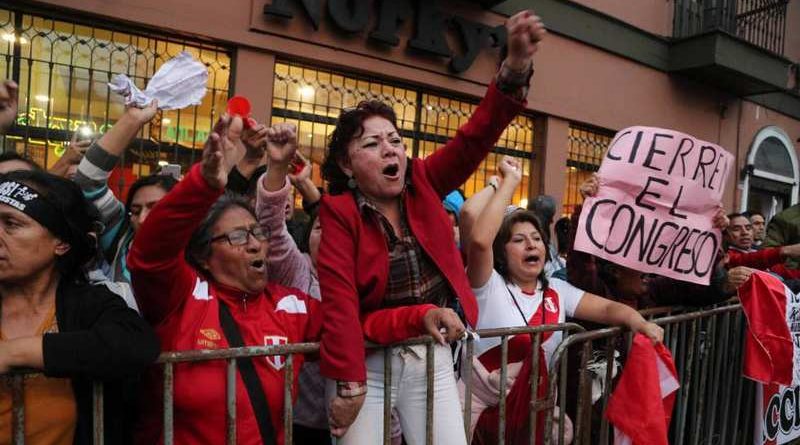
(551, 161)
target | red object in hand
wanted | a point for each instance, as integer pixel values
(297, 165)
(240, 106)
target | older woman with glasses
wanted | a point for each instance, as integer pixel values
(204, 286)
(388, 265)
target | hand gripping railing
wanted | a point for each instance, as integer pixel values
(169, 360)
(706, 346)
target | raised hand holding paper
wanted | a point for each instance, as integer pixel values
(179, 83)
(659, 192)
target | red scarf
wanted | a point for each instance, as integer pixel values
(518, 402)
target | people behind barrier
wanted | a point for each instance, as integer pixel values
(759, 224)
(52, 320)
(208, 270)
(386, 272)
(739, 238)
(506, 261)
(205, 286)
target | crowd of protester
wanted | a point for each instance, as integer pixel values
(92, 288)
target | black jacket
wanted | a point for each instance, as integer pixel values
(99, 338)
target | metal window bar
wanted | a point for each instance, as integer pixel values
(760, 22)
(586, 147)
(62, 67)
(313, 97)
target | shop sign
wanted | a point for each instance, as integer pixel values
(431, 25)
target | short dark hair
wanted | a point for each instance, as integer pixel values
(165, 182)
(199, 247)
(504, 235)
(350, 125)
(8, 156)
(751, 213)
(737, 215)
(78, 217)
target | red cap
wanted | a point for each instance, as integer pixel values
(240, 106)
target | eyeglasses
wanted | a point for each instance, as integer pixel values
(239, 237)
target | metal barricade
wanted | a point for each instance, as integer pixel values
(16, 380)
(714, 404)
(231, 355)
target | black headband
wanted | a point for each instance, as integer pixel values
(28, 201)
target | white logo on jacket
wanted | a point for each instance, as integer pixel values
(276, 361)
(549, 305)
(291, 305)
(200, 291)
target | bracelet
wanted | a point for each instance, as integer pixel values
(493, 185)
(350, 389)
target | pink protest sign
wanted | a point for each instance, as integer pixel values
(659, 191)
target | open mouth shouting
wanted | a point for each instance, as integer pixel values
(531, 260)
(391, 172)
(258, 265)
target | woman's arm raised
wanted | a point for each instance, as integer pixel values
(161, 275)
(480, 258)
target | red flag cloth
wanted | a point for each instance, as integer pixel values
(640, 407)
(768, 348)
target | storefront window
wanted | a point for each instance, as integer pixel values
(63, 69)
(312, 98)
(586, 148)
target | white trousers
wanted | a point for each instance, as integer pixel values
(409, 388)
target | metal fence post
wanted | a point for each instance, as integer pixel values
(18, 409)
(98, 410)
(230, 403)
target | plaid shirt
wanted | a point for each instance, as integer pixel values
(413, 278)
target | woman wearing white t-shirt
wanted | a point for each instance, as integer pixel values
(505, 258)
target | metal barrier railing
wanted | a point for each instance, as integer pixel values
(697, 339)
(714, 403)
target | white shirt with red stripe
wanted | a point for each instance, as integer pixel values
(496, 309)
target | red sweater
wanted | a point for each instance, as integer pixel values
(760, 259)
(353, 263)
(184, 308)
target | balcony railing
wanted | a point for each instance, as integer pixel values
(760, 22)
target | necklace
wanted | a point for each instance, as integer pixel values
(519, 309)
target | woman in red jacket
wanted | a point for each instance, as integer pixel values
(201, 284)
(384, 258)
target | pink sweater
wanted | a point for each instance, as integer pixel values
(285, 263)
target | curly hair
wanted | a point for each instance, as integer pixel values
(350, 125)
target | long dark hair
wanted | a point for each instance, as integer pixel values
(78, 218)
(350, 125)
(504, 235)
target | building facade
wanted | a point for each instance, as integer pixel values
(722, 70)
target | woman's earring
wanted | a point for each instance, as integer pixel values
(351, 183)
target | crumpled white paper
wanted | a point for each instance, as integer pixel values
(179, 83)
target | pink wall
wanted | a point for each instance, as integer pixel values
(654, 16)
(572, 82)
(792, 49)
